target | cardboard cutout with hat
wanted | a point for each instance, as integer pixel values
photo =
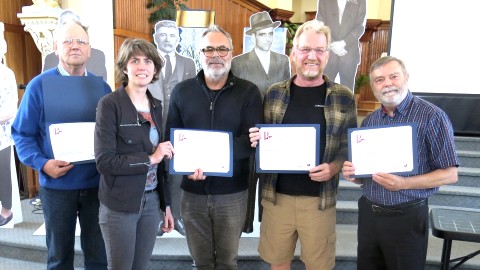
(259, 21)
(264, 69)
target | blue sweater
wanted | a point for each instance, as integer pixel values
(29, 133)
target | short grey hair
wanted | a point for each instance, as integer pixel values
(380, 62)
(217, 29)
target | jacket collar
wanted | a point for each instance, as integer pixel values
(231, 80)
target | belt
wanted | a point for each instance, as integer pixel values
(395, 209)
(149, 191)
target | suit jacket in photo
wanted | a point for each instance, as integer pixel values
(248, 67)
(161, 89)
(351, 28)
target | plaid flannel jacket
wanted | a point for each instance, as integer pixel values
(340, 115)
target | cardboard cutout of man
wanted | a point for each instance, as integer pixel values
(346, 19)
(177, 68)
(262, 66)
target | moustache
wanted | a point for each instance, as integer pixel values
(216, 60)
(389, 89)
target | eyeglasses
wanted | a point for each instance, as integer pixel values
(80, 42)
(318, 51)
(210, 51)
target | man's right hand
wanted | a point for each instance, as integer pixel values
(348, 171)
(254, 136)
(56, 168)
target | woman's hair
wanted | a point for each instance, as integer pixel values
(135, 47)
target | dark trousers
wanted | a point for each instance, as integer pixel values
(393, 238)
(5, 178)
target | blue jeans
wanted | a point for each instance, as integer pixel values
(130, 237)
(60, 210)
(213, 225)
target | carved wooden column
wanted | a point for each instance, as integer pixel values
(40, 22)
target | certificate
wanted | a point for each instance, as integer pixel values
(388, 149)
(73, 142)
(211, 151)
(288, 148)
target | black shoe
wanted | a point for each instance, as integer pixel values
(178, 226)
(160, 231)
(4, 221)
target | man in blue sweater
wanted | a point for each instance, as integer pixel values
(67, 191)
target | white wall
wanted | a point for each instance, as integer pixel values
(438, 41)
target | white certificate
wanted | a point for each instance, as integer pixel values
(73, 142)
(288, 148)
(210, 151)
(387, 149)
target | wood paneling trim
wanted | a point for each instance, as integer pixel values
(131, 34)
(310, 15)
(280, 14)
(14, 28)
(373, 43)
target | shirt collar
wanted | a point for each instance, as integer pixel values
(262, 53)
(63, 72)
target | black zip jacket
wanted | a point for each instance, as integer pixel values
(122, 146)
(236, 108)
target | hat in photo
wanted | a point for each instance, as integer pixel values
(259, 21)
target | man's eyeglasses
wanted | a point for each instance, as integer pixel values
(210, 51)
(80, 42)
(318, 51)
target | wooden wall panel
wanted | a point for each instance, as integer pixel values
(9, 10)
(22, 55)
(13, 61)
(231, 15)
(132, 16)
(24, 59)
(373, 43)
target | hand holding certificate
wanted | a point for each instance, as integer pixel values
(73, 142)
(288, 148)
(210, 151)
(387, 149)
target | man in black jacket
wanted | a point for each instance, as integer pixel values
(214, 208)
